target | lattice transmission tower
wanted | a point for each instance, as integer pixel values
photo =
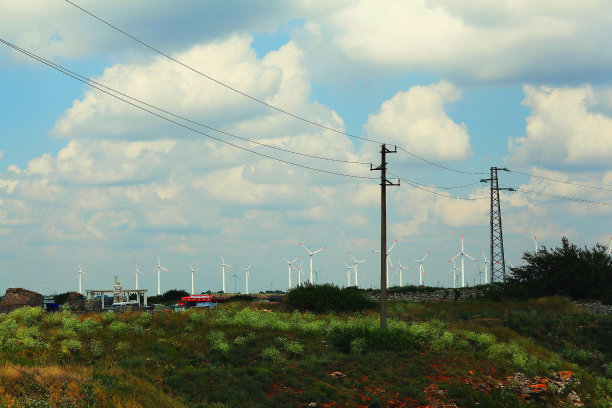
(498, 260)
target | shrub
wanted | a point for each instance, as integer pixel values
(70, 345)
(138, 330)
(273, 354)
(96, 348)
(117, 328)
(359, 346)
(327, 298)
(123, 346)
(218, 342)
(197, 317)
(89, 326)
(28, 315)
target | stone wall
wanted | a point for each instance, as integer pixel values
(437, 295)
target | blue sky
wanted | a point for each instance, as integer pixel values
(86, 178)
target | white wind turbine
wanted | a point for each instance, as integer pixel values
(247, 275)
(311, 254)
(81, 272)
(463, 255)
(388, 260)
(289, 263)
(192, 272)
(610, 250)
(355, 266)
(536, 244)
(136, 273)
(485, 267)
(421, 267)
(223, 265)
(158, 269)
(300, 271)
(454, 270)
(400, 267)
(348, 273)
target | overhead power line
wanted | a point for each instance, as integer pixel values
(91, 81)
(221, 82)
(109, 91)
(418, 185)
(561, 197)
(561, 181)
(253, 98)
(439, 165)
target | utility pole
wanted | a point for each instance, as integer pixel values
(383, 232)
(498, 260)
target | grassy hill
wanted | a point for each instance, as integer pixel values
(544, 352)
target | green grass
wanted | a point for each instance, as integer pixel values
(257, 355)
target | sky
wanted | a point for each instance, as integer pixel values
(86, 178)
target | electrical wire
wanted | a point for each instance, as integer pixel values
(220, 82)
(439, 165)
(50, 63)
(560, 197)
(439, 187)
(91, 84)
(561, 181)
(435, 192)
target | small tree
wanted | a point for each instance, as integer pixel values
(566, 271)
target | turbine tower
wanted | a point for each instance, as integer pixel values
(348, 273)
(388, 261)
(289, 263)
(247, 275)
(454, 271)
(311, 254)
(463, 255)
(223, 265)
(355, 266)
(610, 250)
(80, 272)
(536, 244)
(158, 269)
(192, 272)
(400, 267)
(299, 270)
(136, 273)
(421, 267)
(485, 267)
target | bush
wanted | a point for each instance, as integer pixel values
(70, 345)
(117, 328)
(96, 348)
(273, 354)
(327, 298)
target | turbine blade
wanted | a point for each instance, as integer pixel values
(395, 242)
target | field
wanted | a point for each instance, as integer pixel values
(544, 352)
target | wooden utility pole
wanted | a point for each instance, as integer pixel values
(383, 233)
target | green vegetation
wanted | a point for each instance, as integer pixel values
(578, 273)
(327, 298)
(245, 354)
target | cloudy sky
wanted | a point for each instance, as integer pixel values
(88, 178)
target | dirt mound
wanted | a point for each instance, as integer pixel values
(18, 297)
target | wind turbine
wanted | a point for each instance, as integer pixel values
(235, 276)
(311, 254)
(348, 273)
(136, 273)
(247, 275)
(289, 263)
(81, 272)
(454, 271)
(610, 250)
(421, 268)
(536, 244)
(192, 272)
(317, 274)
(223, 265)
(158, 269)
(400, 267)
(388, 260)
(463, 255)
(355, 266)
(485, 266)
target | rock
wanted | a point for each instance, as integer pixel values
(18, 297)
(75, 301)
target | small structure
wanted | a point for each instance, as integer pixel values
(119, 294)
(18, 297)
